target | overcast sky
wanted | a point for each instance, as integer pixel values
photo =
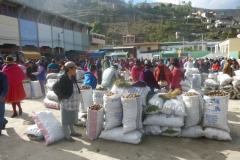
(208, 4)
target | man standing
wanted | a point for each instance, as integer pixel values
(189, 64)
(161, 74)
(109, 76)
(31, 69)
(3, 94)
(99, 70)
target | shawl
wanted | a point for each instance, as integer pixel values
(15, 74)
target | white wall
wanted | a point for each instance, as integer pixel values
(68, 36)
(78, 41)
(55, 31)
(9, 32)
(45, 37)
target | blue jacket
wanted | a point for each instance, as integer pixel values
(90, 80)
(3, 86)
(41, 76)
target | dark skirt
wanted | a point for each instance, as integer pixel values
(69, 117)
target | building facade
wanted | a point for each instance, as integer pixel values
(227, 46)
(27, 28)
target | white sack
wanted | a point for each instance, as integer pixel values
(152, 130)
(219, 76)
(236, 86)
(113, 111)
(215, 112)
(186, 88)
(225, 79)
(51, 104)
(50, 83)
(52, 96)
(79, 75)
(132, 114)
(209, 88)
(237, 79)
(217, 134)
(196, 81)
(237, 73)
(34, 130)
(164, 120)
(143, 91)
(98, 96)
(85, 100)
(36, 89)
(210, 82)
(116, 134)
(155, 102)
(186, 83)
(174, 107)
(52, 76)
(212, 76)
(49, 126)
(193, 110)
(171, 131)
(226, 88)
(28, 90)
(94, 123)
(204, 76)
(193, 132)
(193, 70)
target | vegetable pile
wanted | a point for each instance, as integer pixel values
(95, 107)
(85, 87)
(122, 83)
(216, 93)
(190, 94)
(133, 95)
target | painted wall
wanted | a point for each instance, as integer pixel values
(234, 45)
(55, 31)
(68, 40)
(45, 37)
(28, 33)
(85, 42)
(9, 32)
(153, 47)
(78, 41)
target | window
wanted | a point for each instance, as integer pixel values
(58, 23)
(28, 15)
(68, 26)
(149, 48)
(138, 47)
(8, 10)
(4, 9)
(77, 28)
(44, 20)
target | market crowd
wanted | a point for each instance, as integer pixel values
(163, 73)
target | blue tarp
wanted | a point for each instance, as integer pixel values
(97, 54)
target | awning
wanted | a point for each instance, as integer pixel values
(97, 54)
(121, 54)
(199, 54)
(31, 55)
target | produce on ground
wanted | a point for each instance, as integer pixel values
(101, 89)
(190, 94)
(110, 94)
(122, 83)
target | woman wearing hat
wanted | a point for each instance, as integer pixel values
(176, 76)
(90, 79)
(161, 74)
(41, 77)
(136, 71)
(67, 90)
(16, 91)
(148, 77)
(52, 67)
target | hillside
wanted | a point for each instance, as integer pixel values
(114, 19)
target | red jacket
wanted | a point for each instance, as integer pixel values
(175, 78)
(157, 72)
(136, 73)
(215, 67)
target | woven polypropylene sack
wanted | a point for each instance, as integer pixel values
(193, 132)
(51, 104)
(85, 100)
(113, 111)
(225, 79)
(174, 107)
(217, 134)
(94, 123)
(132, 114)
(152, 130)
(98, 96)
(116, 134)
(36, 89)
(52, 96)
(28, 90)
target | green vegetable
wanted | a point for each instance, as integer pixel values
(152, 108)
(169, 131)
(122, 83)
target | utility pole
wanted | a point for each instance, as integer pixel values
(202, 41)
(59, 43)
(183, 43)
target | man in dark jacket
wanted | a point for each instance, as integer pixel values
(3, 94)
(31, 69)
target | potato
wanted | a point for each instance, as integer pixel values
(110, 94)
(85, 87)
(95, 107)
(133, 95)
(217, 93)
(190, 94)
(101, 89)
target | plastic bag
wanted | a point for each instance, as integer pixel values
(132, 114)
(51, 104)
(50, 127)
(94, 123)
(152, 130)
(28, 90)
(116, 134)
(113, 111)
(36, 89)
(164, 120)
(210, 82)
(155, 104)
(193, 132)
(52, 96)
(217, 134)
(174, 107)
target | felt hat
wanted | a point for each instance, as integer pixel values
(70, 65)
(9, 59)
(148, 63)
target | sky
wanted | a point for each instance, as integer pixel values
(208, 4)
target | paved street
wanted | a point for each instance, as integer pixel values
(14, 145)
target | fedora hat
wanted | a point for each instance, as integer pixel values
(148, 63)
(138, 62)
(9, 59)
(93, 67)
(175, 61)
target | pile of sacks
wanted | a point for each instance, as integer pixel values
(193, 75)
(236, 86)
(211, 83)
(32, 89)
(164, 117)
(215, 115)
(51, 100)
(226, 85)
(186, 85)
(121, 116)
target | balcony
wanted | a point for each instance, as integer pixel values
(98, 39)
